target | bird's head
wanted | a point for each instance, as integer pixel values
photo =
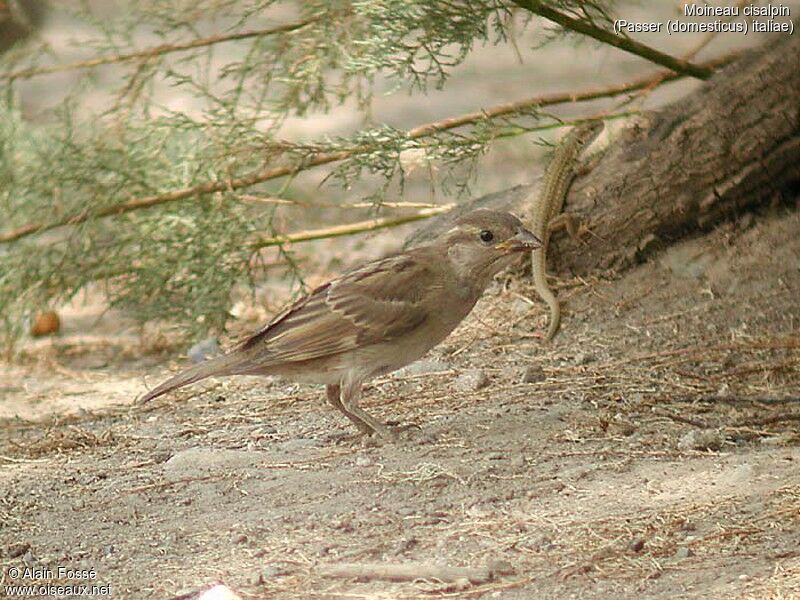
(483, 242)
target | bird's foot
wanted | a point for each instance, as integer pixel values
(389, 433)
(400, 427)
(403, 431)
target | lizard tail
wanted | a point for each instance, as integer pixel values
(222, 365)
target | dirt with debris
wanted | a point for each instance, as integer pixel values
(650, 451)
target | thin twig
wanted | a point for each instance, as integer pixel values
(771, 420)
(586, 95)
(761, 368)
(160, 485)
(249, 198)
(681, 419)
(210, 187)
(148, 53)
(349, 228)
(11, 459)
(623, 43)
(707, 39)
(788, 343)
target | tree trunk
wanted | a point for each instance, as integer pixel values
(730, 146)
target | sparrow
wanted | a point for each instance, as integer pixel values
(376, 318)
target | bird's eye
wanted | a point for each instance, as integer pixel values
(486, 236)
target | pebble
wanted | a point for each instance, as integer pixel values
(520, 306)
(45, 323)
(299, 444)
(268, 572)
(219, 592)
(200, 462)
(705, 439)
(683, 552)
(17, 550)
(363, 461)
(782, 439)
(204, 350)
(684, 260)
(637, 545)
(422, 367)
(533, 374)
(501, 567)
(746, 221)
(471, 381)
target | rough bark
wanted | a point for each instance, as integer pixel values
(729, 146)
(18, 20)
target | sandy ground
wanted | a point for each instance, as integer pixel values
(652, 453)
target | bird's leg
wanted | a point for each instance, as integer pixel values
(350, 394)
(333, 391)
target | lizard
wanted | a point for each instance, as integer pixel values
(552, 193)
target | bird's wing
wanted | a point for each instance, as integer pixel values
(377, 302)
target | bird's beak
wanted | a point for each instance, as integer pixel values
(524, 241)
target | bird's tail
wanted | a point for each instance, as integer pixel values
(222, 365)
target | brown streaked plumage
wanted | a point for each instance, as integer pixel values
(376, 318)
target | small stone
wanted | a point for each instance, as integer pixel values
(45, 323)
(17, 550)
(423, 367)
(268, 572)
(544, 544)
(239, 539)
(746, 221)
(706, 439)
(363, 461)
(646, 241)
(533, 374)
(461, 583)
(683, 552)
(219, 592)
(781, 439)
(404, 545)
(471, 381)
(520, 306)
(637, 545)
(584, 358)
(501, 567)
(518, 461)
(370, 441)
(625, 428)
(344, 524)
(299, 444)
(204, 350)
(201, 462)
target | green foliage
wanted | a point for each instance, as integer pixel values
(179, 259)
(177, 264)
